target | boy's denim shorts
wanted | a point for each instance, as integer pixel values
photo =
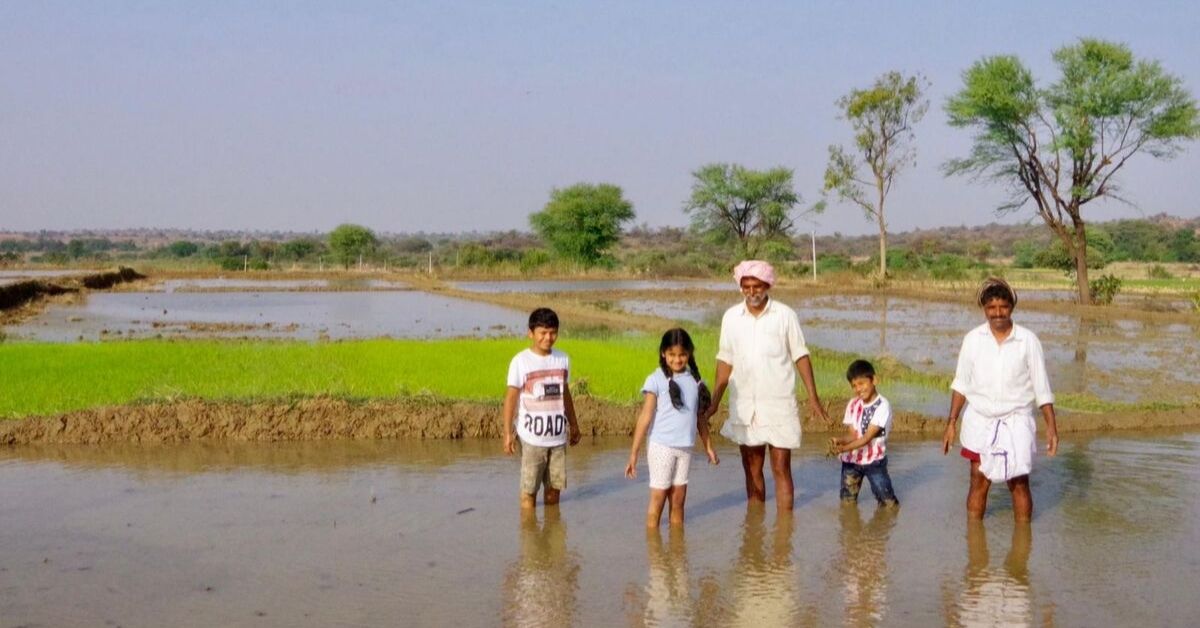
(876, 473)
(543, 465)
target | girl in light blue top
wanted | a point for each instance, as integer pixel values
(675, 397)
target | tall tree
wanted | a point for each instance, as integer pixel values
(752, 206)
(1061, 147)
(349, 243)
(583, 221)
(882, 117)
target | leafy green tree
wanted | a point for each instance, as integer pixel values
(182, 248)
(348, 242)
(1060, 147)
(751, 207)
(882, 117)
(299, 249)
(583, 221)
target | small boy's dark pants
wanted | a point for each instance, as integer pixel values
(876, 473)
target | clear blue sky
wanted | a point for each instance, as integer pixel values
(458, 116)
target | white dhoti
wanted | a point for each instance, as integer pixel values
(1006, 445)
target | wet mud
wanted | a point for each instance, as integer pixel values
(421, 418)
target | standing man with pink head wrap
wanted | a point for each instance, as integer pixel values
(760, 351)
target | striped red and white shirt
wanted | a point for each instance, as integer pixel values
(859, 416)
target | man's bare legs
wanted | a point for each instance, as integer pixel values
(752, 464)
(1022, 498)
(781, 469)
(753, 459)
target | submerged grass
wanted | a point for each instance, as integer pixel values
(41, 379)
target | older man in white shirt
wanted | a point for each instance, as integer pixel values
(1000, 378)
(761, 349)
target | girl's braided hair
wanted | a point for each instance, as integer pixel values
(677, 337)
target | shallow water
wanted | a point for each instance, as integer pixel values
(428, 533)
(588, 285)
(18, 275)
(211, 284)
(1120, 360)
(302, 315)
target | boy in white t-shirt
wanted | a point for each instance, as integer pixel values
(539, 398)
(863, 449)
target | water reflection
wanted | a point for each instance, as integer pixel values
(765, 576)
(995, 596)
(668, 588)
(1116, 359)
(541, 586)
(864, 564)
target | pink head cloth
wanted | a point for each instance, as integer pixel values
(756, 268)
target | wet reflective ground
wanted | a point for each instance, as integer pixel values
(1117, 360)
(429, 533)
(272, 314)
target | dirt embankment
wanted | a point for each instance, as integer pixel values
(420, 418)
(21, 300)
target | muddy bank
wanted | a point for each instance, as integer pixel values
(422, 418)
(21, 300)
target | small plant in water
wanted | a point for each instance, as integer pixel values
(1104, 289)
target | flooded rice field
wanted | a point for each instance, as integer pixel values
(272, 314)
(19, 275)
(429, 533)
(589, 285)
(1117, 360)
(216, 284)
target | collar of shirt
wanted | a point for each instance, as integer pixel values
(1016, 335)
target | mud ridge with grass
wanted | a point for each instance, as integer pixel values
(323, 418)
(24, 299)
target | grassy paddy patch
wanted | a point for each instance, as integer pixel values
(46, 379)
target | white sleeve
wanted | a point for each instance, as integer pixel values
(1037, 372)
(725, 344)
(795, 339)
(883, 415)
(516, 379)
(966, 362)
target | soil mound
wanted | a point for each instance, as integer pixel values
(417, 418)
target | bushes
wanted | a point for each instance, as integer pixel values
(1104, 289)
(1158, 271)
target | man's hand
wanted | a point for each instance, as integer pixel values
(631, 467)
(1051, 441)
(816, 409)
(510, 444)
(576, 435)
(712, 456)
(948, 437)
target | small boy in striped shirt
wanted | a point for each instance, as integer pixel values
(863, 448)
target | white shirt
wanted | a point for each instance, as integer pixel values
(999, 379)
(542, 380)
(763, 351)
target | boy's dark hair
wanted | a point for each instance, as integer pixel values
(678, 337)
(543, 317)
(859, 368)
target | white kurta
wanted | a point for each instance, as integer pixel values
(1003, 383)
(763, 351)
